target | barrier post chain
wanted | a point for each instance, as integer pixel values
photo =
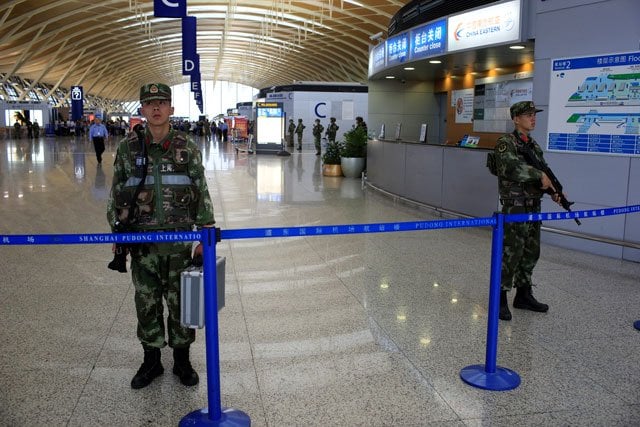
(490, 376)
(214, 415)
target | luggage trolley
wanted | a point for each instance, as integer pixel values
(245, 147)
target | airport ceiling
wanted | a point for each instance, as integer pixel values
(112, 47)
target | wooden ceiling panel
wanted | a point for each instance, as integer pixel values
(260, 43)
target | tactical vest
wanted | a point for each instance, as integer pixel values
(168, 200)
(519, 190)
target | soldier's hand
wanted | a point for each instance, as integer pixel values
(546, 183)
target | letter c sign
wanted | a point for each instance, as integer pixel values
(322, 116)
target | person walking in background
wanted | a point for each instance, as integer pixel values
(98, 134)
(224, 130)
(521, 187)
(16, 129)
(36, 129)
(317, 135)
(332, 130)
(299, 130)
(159, 173)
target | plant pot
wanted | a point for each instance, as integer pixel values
(331, 170)
(352, 167)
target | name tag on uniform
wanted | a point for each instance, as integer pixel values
(166, 167)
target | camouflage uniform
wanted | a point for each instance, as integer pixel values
(317, 134)
(520, 192)
(291, 129)
(299, 130)
(332, 130)
(174, 198)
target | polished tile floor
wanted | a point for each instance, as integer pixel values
(358, 330)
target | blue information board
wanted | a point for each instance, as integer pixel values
(428, 40)
(594, 104)
(397, 49)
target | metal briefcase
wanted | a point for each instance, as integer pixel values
(192, 294)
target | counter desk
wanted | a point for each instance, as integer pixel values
(444, 177)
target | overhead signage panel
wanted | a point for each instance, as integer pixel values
(428, 40)
(397, 49)
(376, 59)
(484, 27)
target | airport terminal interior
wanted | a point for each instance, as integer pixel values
(347, 330)
(370, 329)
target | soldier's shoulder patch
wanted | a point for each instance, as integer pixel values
(501, 147)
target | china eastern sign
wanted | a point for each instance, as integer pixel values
(484, 27)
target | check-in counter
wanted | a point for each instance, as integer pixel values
(443, 177)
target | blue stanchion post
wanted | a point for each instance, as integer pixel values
(214, 415)
(490, 376)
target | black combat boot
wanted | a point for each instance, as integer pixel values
(151, 368)
(525, 300)
(182, 367)
(505, 313)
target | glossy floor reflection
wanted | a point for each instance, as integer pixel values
(363, 330)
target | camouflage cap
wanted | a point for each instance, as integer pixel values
(523, 107)
(153, 91)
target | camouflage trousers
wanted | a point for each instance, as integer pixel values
(521, 249)
(316, 142)
(156, 277)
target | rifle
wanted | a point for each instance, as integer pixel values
(119, 262)
(533, 160)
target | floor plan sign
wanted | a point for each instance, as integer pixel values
(594, 104)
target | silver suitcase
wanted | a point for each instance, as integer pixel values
(192, 294)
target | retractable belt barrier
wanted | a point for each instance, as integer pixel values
(488, 376)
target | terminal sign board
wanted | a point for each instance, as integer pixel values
(594, 104)
(428, 40)
(397, 49)
(376, 59)
(269, 124)
(484, 27)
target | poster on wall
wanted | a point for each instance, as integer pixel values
(462, 101)
(493, 96)
(594, 104)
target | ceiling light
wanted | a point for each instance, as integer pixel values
(390, 77)
(409, 68)
(435, 61)
(516, 47)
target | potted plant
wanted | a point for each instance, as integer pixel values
(354, 152)
(331, 159)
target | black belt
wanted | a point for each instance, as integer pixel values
(531, 203)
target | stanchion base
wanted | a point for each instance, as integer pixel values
(501, 379)
(230, 418)
(636, 324)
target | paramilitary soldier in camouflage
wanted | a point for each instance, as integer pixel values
(291, 129)
(521, 187)
(317, 135)
(299, 131)
(175, 197)
(332, 130)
